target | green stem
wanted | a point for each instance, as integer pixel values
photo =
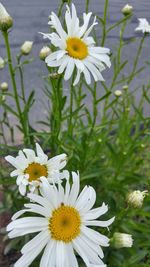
(136, 60)
(87, 6)
(26, 121)
(70, 126)
(121, 42)
(12, 74)
(117, 69)
(59, 104)
(104, 24)
(56, 112)
(60, 9)
(21, 78)
(94, 95)
(2, 132)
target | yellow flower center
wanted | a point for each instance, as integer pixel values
(64, 225)
(76, 48)
(35, 171)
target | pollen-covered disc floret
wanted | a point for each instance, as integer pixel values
(31, 166)
(63, 222)
(64, 225)
(76, 48)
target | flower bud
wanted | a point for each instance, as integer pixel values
(127, 10)
(2, 98)
(26, 48)
(6, 20)
(117, 93)
(4, 86)
(125, 87)
(122, 240)
(127, 109)
(2, 63)
(135, 198)
(45, 51)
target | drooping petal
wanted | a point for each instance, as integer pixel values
(96, 236)
(25, 223)
(91, 254)
(95, 213)
(100, 223)
(93, 245)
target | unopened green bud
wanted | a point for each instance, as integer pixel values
(45, 51)
(4, 86)
(127, 10)
(135, 198)
(2, 63)
(125, 87)
(26, 48)
(122, 240)
(117, 93)
(6, 20)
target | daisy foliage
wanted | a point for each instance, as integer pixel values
(76, 48)
(63, 226)
(31, 166)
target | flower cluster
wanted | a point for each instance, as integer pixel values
(62, 216)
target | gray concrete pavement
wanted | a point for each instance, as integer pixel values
(30, 17)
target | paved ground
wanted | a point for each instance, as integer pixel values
(30, 17)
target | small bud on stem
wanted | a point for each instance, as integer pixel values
(6, 20)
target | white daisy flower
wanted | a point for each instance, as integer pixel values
(144, 26)
(31, 167)
(63, 226)
(76, 48)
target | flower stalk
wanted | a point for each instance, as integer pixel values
(16, 96)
